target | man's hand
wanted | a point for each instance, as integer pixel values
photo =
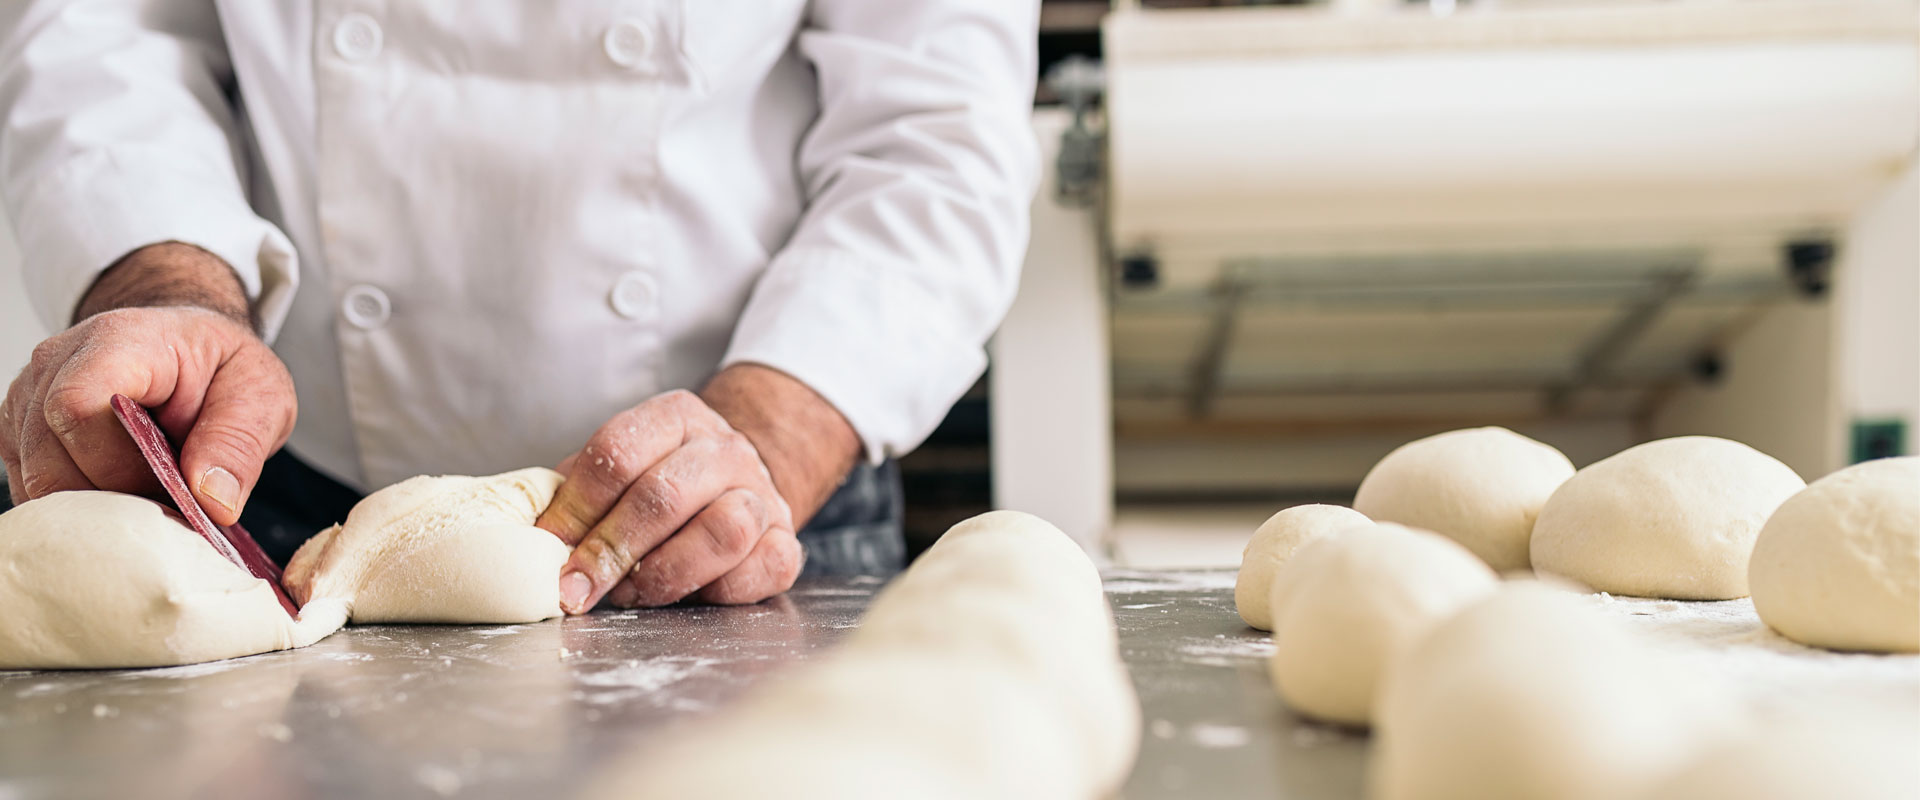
(687, 495)
(168, 327)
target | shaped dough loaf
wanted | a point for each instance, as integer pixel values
(988, 669)
(1528, 694)
(447, 548)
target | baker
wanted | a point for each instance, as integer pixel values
(718, 261)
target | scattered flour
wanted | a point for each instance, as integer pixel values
(1220, 651)
(1727, 640)
(1120, 581)
(642, 677)
(186, 671)
(1216, 736)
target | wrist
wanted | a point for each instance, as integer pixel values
(168, 274)
(807, 446)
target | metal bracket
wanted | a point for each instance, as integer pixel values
(1081, 165)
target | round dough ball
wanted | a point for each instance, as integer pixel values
(1670, 518)
(101, 580)
(447, 548)
(1481, 487)
(1858, 759)
(1272, 544)
(1530, 694)
(1349, 602)
(1838, 565)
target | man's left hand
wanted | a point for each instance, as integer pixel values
(682, 495)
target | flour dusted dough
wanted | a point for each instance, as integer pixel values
(1530, 694)
(1276, 540)
(1856, 758)
(445, 548)
(1481, 487)
(1838, 565)
(988, 669)
(99, 579)
(1670, 518)
(1347, 604)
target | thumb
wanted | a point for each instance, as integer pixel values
(247, 414)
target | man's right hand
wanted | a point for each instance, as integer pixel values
(173, 335)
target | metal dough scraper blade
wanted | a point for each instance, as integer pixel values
(231, 541)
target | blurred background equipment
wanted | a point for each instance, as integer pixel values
(1296, 236)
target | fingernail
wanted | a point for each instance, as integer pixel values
(574, 588)
(219, 485)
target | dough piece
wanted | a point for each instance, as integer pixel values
(98, 579)
(1670, 518)
(1348, 603)
(445, 548)
(1838, 565)
(988, 669)
(1854, 758)
(1272, 544)
(1530, 694)
(101, 580)
(1481, 487)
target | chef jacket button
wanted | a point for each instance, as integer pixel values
(357, 37)
(627, 43)
(366, 307)
(633, 296)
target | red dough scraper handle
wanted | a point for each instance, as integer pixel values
(231, 541)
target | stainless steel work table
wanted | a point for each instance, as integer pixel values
(533, 710)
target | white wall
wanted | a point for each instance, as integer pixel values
(1778, 392)
(19, 329)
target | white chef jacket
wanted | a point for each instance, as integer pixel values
(477, 229)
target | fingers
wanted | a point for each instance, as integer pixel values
(714, 542)
(78, 408)
(247, 414)
(45, 467)
(658, 503)
(770, 569)
(598, 476)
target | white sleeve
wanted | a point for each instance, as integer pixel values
(119, 132)
(919, 172)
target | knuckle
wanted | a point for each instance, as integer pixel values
(608, 554)
(38, 483)
(733, 532)
(660, 493)
(48, 350)
(239, 440)
(737, 444)
(607, 454)
(64, 406)
(679, 398)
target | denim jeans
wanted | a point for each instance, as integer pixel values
(857, 532)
